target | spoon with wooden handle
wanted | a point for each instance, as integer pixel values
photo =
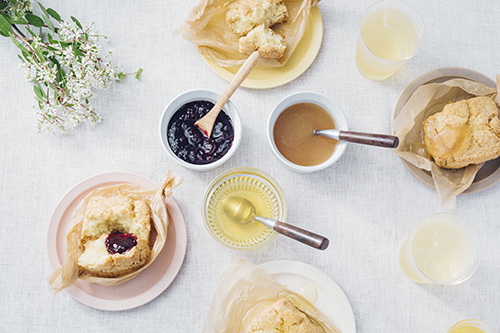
(206, 123)
(380, 140)
(242, 211)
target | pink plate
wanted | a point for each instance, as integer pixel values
(148, 284)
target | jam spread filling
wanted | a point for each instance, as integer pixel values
(120, 243)
(189, 143)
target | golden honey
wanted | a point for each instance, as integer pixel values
(266, 198)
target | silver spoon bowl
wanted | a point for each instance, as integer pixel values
(242, 211)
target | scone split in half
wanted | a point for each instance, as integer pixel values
(465, 132)
(244, 15)
(115, 236)
(252, 19)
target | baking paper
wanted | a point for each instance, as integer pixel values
(244, 285)
(68, 274)
(424, 102)
(206, 27)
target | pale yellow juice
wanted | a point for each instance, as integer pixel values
(441, 251)
(470, 326)
(467, 329)
(391, 36)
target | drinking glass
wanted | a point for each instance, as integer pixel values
(444, 249)
(390, 33)
(470, 326)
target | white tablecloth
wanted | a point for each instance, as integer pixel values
(367, 203)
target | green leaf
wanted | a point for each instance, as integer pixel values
(35, 20)
(49, 23)
(76, 22)
(22, 48)
(61, 77)
(5, 28)
(17, 20)
(56, 62)
(43, 9)
(14, 2)
(54, 14)
(39, 91)
(3, 5)
(31, 32)
(77, 51)
(26, 55)
(121, 76)
(39, 54)
(138, 74)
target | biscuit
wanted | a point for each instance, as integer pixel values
(244, 15)
(115, 236)
(465, 132)
(269, 44)
(282, 317)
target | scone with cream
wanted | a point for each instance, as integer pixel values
(465, 132)
(282, 317)
(244, 15)
(115, 236)
(269, 44)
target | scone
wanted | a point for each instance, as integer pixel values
(465, 132)
(282, 317)
(244, 15)
(269, 44)
(115, 236)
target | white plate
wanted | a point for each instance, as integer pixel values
(148, 284)
(330, 300)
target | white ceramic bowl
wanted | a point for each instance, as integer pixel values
(325, 103)
(198, 95)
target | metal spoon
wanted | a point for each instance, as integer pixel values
(380, 140)
(242, 211)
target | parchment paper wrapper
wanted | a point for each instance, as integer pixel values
(424, 102)
(206, 27)
(68, 274)
(241, 287)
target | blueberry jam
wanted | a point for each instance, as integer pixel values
(189, 143)
(120, 243)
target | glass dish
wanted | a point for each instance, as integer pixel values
(257, 186)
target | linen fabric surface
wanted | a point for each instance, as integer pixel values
(367, 203)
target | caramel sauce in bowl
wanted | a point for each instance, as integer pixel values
(291, 128)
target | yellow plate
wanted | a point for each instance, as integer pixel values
(298, 63)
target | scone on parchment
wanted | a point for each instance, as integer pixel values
(465, 132)
(282, 317)
(244, 15)
(115, 236)
(269, 44)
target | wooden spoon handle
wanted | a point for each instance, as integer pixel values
(380, 140)
(301, 235)
(206, 123)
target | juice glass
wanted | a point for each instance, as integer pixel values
(470, 326)
(391, 32)
(443, 249)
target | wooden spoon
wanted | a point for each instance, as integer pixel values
(206, 123)
(380, 140)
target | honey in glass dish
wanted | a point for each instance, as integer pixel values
(294, 136)
(257, 187)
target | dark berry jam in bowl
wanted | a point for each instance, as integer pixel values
(187, 144)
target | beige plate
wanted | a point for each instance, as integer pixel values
(489, 174)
